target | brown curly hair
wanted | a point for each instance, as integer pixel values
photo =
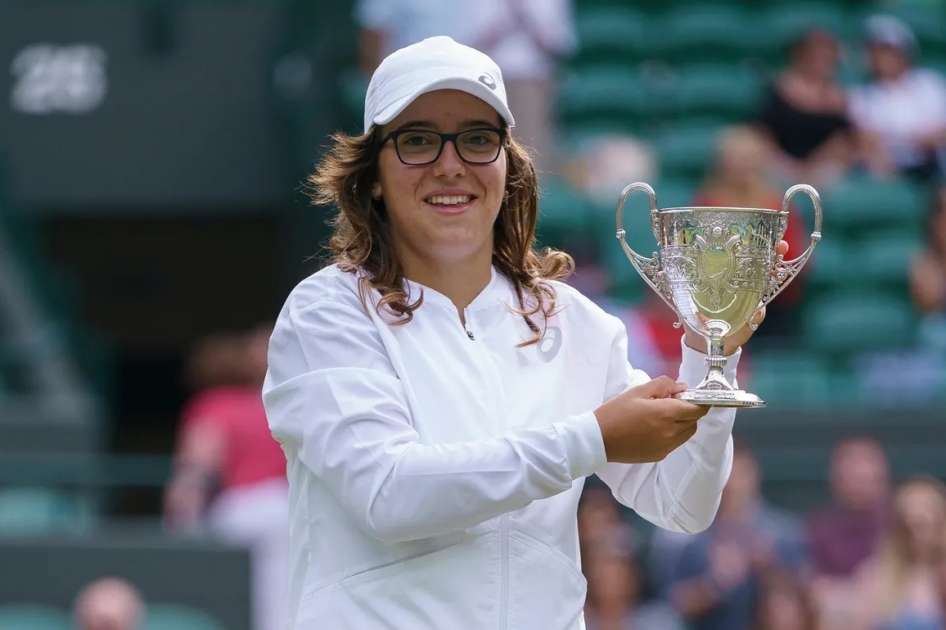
(361, 236)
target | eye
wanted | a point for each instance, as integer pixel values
(480, 140)
(417, 139)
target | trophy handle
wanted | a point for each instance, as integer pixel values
(648, 268)
(786, 270)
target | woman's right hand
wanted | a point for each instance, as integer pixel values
(645, 424)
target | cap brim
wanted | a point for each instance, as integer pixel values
(469, 84)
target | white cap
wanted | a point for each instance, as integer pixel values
(436, 63)
(886, 30)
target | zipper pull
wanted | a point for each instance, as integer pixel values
(469, 334)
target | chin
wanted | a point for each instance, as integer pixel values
(457, 243)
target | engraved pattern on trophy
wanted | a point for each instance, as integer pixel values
(716, 267)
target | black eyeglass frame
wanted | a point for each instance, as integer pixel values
(444, 139)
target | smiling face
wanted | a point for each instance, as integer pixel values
(441, 212)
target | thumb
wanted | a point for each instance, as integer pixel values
(661, 387)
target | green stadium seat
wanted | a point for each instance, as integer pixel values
(612, 97)
(788, 378)
(32, 617)
(855, 321)
(353, 85)
(863, 203)
(610, 35)
(685, 150)
(41, 511)
(715, 89)
(563, 211)
(932, 335)
(687, 32)
(831, 263)
(886, 256)
(178, 617)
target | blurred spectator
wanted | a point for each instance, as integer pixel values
(108, 604)
(928, 273)
(901, 588)
(601, 528)
(784, 603)
(614, 592)
(389, 25)
(740, 178)
(716, 578)
(846, 533)
(526, 38)
(805, 113)
(901, 115)
(230, 474)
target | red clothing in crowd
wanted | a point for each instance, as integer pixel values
(251, 454)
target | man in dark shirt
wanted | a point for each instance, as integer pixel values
(714, 582)
(844, 534)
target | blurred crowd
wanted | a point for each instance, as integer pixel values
(875, 559)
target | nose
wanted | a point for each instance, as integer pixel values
(449, 163)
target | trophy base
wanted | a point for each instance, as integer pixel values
(721, 398)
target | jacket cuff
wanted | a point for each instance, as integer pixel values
(584, 447)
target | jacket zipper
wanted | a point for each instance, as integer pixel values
(504, 596)
(469, 333)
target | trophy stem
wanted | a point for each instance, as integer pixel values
(715, 390)
(716, 361)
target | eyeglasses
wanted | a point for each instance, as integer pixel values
(417, 147)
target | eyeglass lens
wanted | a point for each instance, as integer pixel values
(477, 146)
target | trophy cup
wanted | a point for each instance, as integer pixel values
(716, 268)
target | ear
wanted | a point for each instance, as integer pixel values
(376, 190)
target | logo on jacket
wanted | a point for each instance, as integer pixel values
(550, 344)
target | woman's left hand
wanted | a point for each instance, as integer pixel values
(740, 337)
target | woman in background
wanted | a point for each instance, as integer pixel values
(784, 603)
(901, 588)
(805, 113)
(229, 472)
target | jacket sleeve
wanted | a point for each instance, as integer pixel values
(682, 492)
(334, 401)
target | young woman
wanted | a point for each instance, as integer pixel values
(441, 395)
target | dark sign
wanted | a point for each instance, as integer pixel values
(114, 105)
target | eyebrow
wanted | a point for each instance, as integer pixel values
(467, 124)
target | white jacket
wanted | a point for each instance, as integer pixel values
(435, 471)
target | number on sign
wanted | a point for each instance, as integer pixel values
(51, 79)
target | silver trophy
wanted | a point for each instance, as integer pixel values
(716, 268)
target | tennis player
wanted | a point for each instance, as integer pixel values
(441, 395)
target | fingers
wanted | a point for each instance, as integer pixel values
(685, 432)
(781, 248)
(681, 411)
(758, 317)
(660, 387)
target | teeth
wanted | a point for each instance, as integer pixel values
(448, 200)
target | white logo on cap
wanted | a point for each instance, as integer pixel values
(488, 81)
